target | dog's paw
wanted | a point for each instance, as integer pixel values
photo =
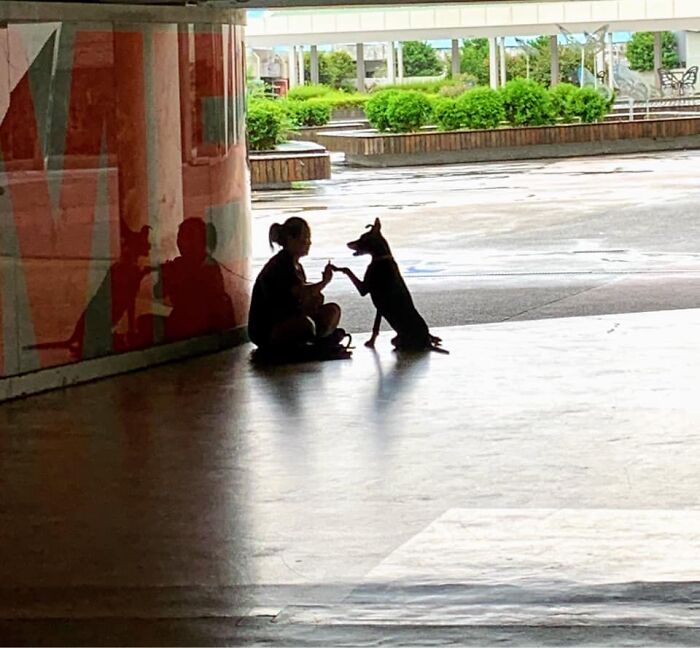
(370, 343)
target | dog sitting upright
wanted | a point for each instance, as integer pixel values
(389, 294)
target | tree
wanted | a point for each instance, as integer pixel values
(341, 69)
(419, 59)
(640, 51)
(323, 74)
(474, 59)
(540, 63)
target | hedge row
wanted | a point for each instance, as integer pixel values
(519, 103)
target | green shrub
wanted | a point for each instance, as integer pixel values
(590, 106)
(313, 112)
(458, 85)
(266, 123)
(427, 87)
(376, 108)
(562, 96)
(482, 107)
(573, 104)
(339, 99)
(311, 91)
(407, 111)
(526, 103)
(448, 114)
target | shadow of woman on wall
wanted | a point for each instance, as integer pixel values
(193, 285)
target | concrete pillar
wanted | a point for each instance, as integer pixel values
(399, 63)
(611, 62)
(292, 67)
(599, 64)
(360, 49)
(300, 54)
(658, 59)
(456, 57)
(390, 63)
(554, 61)
(314, 64)
(493, 63)
(502, 59)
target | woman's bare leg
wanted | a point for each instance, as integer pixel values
(292, 332)
(327, 319)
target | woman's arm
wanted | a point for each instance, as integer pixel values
(311, 295)
(325, 280)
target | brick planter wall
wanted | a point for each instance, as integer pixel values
(280, 170)
(377, 149)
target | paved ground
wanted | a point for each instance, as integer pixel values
(537, 486)
(500, 241)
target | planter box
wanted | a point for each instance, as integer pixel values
(289, 163)
(371, 149)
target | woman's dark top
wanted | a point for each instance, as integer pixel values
(276, 296)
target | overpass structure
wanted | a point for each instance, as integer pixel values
(493, 20)
(486, 19)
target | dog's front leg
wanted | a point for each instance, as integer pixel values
(360, 285)
(375, 330)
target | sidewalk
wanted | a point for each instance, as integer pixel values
(539, 484)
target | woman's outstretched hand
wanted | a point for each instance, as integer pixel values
(328, 272)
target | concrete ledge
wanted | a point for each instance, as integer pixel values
(89, 370)
(371, 149)
(291, 162)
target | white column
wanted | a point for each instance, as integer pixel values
(390, 63)
(399, 63)
(554, 61)
(456, 56)
(314, 64)
(502, 57)
(600, 64)
(493, 63)
(292, 62)
(300, 52)
(360, 49)
(611, 62)
(658, 58)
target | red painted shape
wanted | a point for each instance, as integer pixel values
(2, 336)
(56, 242)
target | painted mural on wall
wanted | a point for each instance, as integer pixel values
(124, 217)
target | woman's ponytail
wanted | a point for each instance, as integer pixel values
(276, 235)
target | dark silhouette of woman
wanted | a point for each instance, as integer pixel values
(287, 314)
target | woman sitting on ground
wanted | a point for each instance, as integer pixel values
(287, 315)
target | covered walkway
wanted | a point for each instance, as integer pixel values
(538, 485)
(435, 21)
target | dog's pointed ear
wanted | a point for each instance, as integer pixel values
(377, 225)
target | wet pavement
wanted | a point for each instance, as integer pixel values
(537, 486)
(498, 241)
